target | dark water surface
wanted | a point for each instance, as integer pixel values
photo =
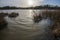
(23, 27)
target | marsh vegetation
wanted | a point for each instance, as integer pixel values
(54, 16)
(3, 22)
(43, 24)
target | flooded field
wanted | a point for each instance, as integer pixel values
(23, 26)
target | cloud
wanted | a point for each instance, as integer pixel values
(19, 2)
(38, 2)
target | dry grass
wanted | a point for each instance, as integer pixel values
(54, 16)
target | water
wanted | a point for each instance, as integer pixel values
(23, 27)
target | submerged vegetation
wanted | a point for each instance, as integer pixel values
(13, 14)
(36, 17)
(3, 23)
(54, 17)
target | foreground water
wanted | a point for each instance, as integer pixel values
(23, 27)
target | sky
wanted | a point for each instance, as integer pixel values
(27, 3)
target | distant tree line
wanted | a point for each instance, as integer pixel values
(47, 7)
(36, 7)
(8, 7)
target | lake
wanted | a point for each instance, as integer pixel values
(23, 27)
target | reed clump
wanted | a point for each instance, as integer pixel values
(54, 17)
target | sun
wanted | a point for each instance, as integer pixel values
(30, 2)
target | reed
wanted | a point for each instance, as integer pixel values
(54, 16)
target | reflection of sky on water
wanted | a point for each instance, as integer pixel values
(22, 27)
(25, 20)
(30, 14)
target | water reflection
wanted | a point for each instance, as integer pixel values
(23, 27)
(24, 20)
(30, 14)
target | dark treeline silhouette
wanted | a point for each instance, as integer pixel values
(8, 7)
(36, 7)
(47, 7)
